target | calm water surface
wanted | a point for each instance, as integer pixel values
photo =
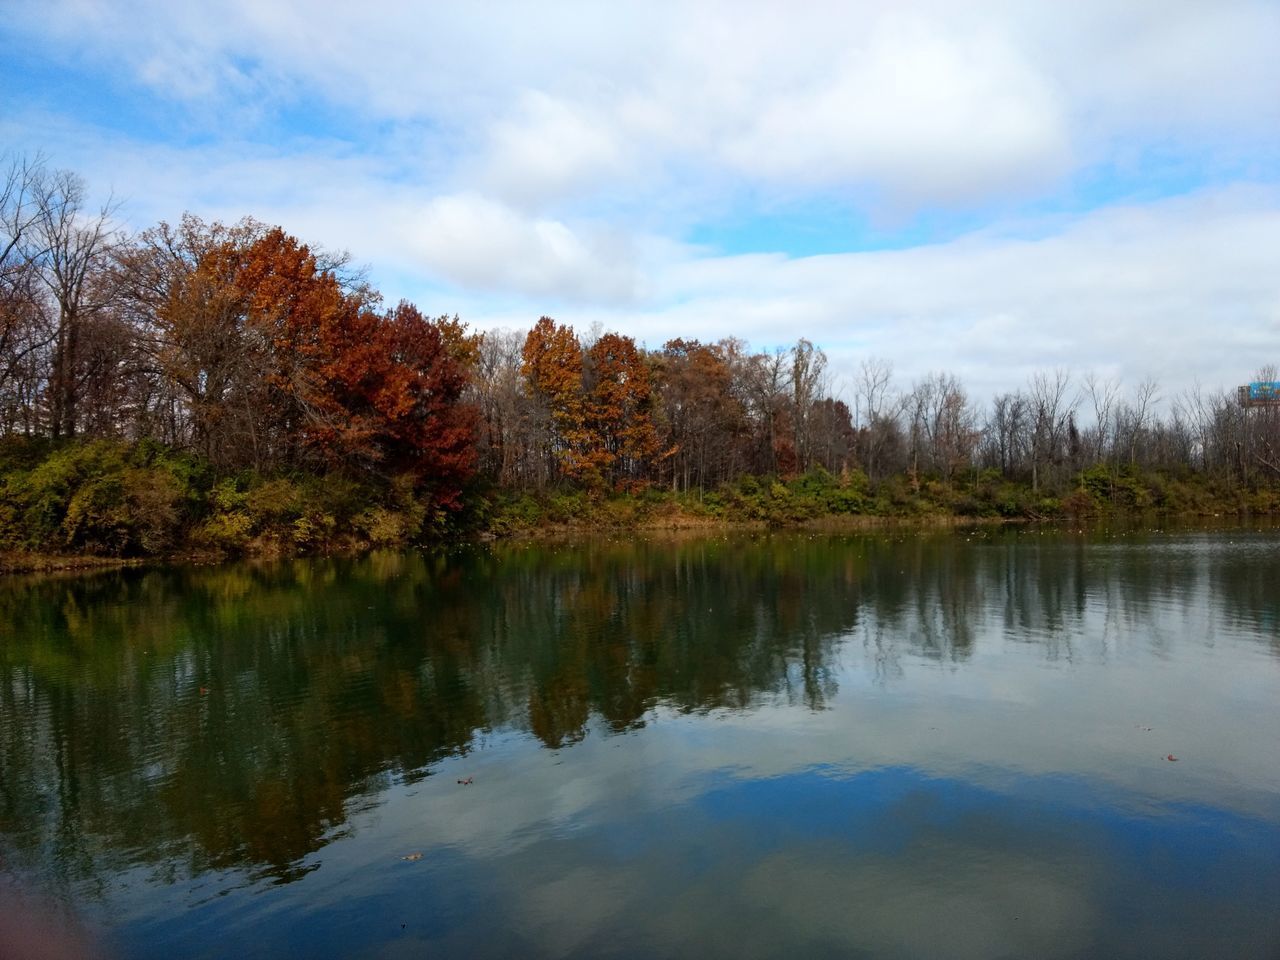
(890, 745)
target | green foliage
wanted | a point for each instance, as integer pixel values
(383, 527)
(1097, 483)
(225, 531)
(896, 498)
(1132, 492)
(136, 512)
(806, 497)
(823, 493)
(713, 504)
(968, 505)
(1048, 508)
(228, 525)
(102, 497)
(1264, 501)
(111, 498)
(273, 501)
(1013, 500)
(509, 513)
(19, 453)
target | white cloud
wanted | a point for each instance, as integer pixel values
(549, 149)
(1185, 290)
(484, 245)
(914, 112)
(1161, 68)
(942, 102)
(552, 158)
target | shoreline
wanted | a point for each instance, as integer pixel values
(19, 563)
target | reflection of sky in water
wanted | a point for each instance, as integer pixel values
(721, 836)
(888, 861)
(947, 749)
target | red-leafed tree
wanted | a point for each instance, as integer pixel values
(429, 432)
(276, 361)
(382, 391)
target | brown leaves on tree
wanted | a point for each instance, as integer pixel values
(277, 362)
(598, 403)
(552, 365)
(618, 412)
(704, 417)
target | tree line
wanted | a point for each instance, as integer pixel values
(246, 347)
(239, 343)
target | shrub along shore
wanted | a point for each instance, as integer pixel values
(84, 504)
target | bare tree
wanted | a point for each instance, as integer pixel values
(808, 382)
(766, 378)
(871, 389)
(942, 424)
(1052, 413)
(18, 215)
(916, 404)
(72, 245)
(1264, 427)
(953, 429)
(512, 425)
(1102, 397)
(1005, 431)
(1134, 419)
(1194, 409)
(25, 330)
(874, 415)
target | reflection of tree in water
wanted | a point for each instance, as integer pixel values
(1063, 592)
(1246, 588)
(613, 630)
(234, 717)
(231, 716)
(925, 596)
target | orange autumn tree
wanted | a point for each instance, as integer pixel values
(320, 342)
(263, 356)
(618, 412)
(552, 368)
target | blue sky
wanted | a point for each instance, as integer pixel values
(988, 188)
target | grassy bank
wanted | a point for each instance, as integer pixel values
(819, 497)
(102, 502)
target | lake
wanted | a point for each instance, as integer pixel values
(974, 744)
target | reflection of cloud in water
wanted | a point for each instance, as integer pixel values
(566, 912)
(265, 721)
(889, 863)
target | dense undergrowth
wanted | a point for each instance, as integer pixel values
(106, 498)
(980, 495)
(111, 499)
